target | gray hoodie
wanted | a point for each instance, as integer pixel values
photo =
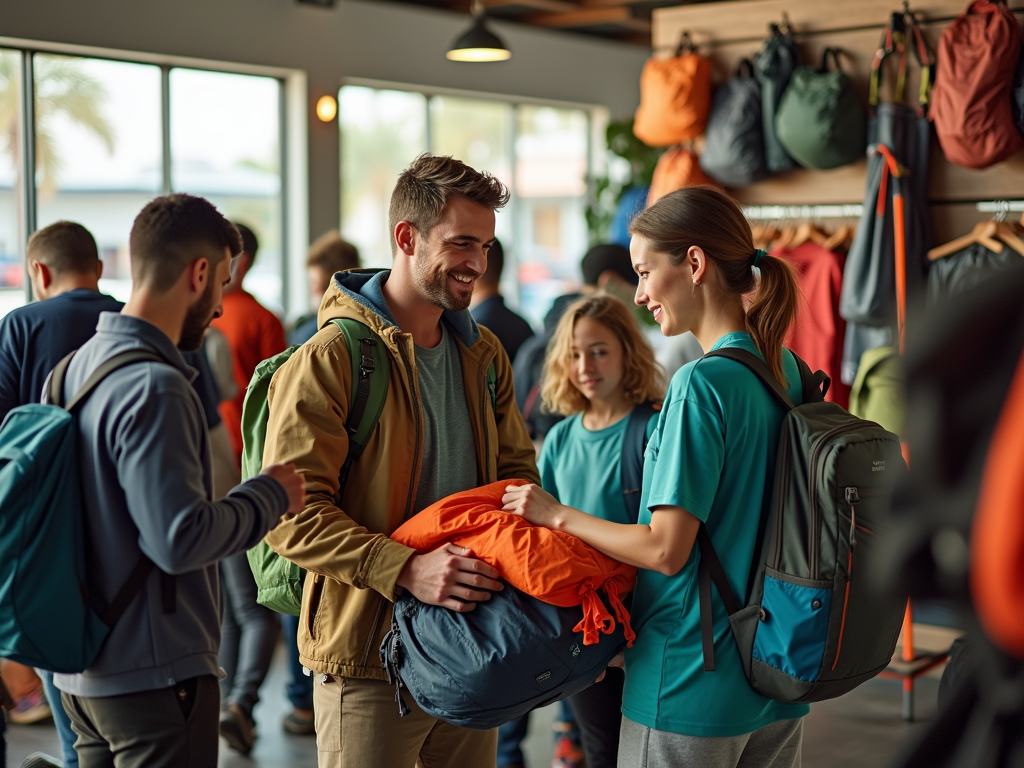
(144, 455)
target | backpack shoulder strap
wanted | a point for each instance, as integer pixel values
(634, 442)
(757, 365)
(54, 394)
(371, 367)
(104, 370)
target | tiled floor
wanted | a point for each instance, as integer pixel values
(860, 730)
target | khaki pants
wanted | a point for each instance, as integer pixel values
(358, 726)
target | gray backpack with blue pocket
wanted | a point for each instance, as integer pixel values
(813, 627)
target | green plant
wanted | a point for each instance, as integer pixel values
(605, 193)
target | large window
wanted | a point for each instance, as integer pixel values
(108, 136)
(540, 152)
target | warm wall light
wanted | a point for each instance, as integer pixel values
(478, 43)
(327, 108)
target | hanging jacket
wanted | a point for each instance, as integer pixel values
(352, 563)
(964, 269)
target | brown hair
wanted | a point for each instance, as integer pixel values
(424, 188)
(173, 231)
(65, 247)
(642, 378)
(711, 220)
(331, 253)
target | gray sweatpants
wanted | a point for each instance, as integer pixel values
(774, 746)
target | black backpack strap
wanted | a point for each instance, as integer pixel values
(634, 443)
(710, 569)
(55, 389)
(815, 385)
(758, 366)
(104, 370)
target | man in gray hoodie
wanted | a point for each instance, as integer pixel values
(151, 697)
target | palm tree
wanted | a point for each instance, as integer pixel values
(62, 88)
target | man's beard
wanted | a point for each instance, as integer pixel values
(197, 320)
(432, 281)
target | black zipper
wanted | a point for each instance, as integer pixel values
(783, 474)
(484, 397)
(419, 427)
(814, 545)
(373, 631)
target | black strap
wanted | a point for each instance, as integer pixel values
(355, 416)
(710, 569)
(55, 392)
(834, 53)
(685, 44)
(757, 365)
(634, 443)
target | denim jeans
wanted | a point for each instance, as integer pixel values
(300, 686)
(60, 719)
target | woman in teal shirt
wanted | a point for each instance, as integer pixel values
(709, 461)
(599, 367)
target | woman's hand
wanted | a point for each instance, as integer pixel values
(535, 504)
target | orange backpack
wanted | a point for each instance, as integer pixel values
(550, 565)
(677, 168)
(971, 104)
(675, 97)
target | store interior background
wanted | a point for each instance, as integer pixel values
(371, 44)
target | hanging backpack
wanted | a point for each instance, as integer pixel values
(734, 146)
(774, 66)
(48, 616)
(813, 627)
(820, 122)
(278, 580)
(971, 101)
(677, 168)
(675, 96)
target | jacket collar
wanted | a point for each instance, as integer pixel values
(365, 287)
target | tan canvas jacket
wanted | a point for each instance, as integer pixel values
(352, 564)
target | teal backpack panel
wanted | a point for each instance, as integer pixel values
(46, 619)
(813, 627)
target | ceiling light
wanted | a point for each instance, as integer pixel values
(478, 43)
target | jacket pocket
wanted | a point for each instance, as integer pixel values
(791, 634)
(315, 598)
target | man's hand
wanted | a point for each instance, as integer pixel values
(293, 485)
(447, 577)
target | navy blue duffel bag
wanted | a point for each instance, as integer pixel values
(480, 669)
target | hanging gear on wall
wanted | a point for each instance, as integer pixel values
(774, 66)
(868, 301)
(734, 146)
(675, 97)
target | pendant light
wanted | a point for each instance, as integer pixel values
(478, 43)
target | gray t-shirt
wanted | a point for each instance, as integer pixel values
(449, 451)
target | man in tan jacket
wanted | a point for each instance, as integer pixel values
(441, 431)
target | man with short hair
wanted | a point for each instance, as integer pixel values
(440, 432)
(328, 254)
(489, 305)
(254, 334)
(150, 697)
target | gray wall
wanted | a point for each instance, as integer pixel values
(357, 38)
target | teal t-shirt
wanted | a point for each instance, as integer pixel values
(583, 468)
(711, 454)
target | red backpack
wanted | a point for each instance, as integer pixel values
(971, 104)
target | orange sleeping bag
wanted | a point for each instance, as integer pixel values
(550, 565)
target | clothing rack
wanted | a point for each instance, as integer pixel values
(1000, 207)
(778, 212)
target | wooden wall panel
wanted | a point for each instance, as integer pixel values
(731, 31)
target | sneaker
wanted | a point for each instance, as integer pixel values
(299, 722)
(567, 754)
(238, 729)
(32, 709)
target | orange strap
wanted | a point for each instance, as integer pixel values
(596, 619)
(897, 171)
(620, 611)
(997, 541)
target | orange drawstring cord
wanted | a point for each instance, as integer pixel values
(620, 611)
(596, 618)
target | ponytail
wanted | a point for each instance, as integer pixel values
(708, 218)
(772, 311)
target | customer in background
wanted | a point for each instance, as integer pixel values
(599, 369)
(440, 432)
(328, 254)
(489, 308)
(254, 333)
(64, 266)
(151, 696)
(709, 461)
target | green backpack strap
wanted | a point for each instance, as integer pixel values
(492, 386)
(371, 367)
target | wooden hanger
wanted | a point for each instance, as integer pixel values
(983, 233)
(840, 238)
(808, 232)
(1010, 233)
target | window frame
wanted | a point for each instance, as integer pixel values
(291, 140)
